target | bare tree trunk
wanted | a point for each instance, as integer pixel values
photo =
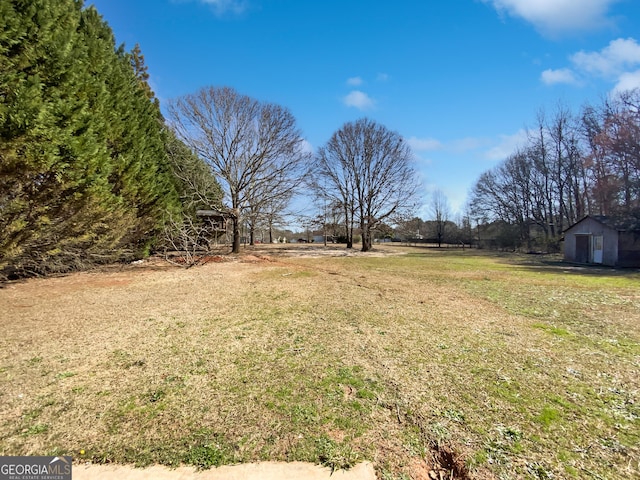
(363, 233)
(441, 212)
(348, 224)
(366, 238)
(236, 235)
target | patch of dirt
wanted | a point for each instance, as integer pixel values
(445, 464)
(252, 259)
(214, 259)
(320, 251)
(266, 253)
(336, 435)
(448, 464)
(419, 470)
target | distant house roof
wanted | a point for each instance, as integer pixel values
(619, 223)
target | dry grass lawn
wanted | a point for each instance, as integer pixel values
(461, 363)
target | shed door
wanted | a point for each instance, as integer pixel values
(582, 248)
(597, 248)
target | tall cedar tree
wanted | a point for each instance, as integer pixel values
(84, 173)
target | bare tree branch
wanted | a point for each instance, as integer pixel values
(254, 148)
(367, 168)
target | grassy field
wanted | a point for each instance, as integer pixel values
(464, 363)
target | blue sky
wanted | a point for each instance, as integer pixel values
(461, 80)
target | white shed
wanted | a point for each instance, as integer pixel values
(603, 240)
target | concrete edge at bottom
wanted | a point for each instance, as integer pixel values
(248, 471)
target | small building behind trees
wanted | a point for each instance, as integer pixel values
(214, 224)
(603, 240)
(216, 220)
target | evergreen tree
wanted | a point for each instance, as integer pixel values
(195, 182)
(84, 171)
(140, 69)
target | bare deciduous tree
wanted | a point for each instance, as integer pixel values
(570, 167)
(334, 183)
(268, 202)
(367, 168)
(619, 140)
(266, 215)
(441, 212)
(198, 189)
(251, 146)
(183, 234)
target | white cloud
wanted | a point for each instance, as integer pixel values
(552, 17)
(507, 145)
(618, 63)
(307, 147)
(460, 145)
(382, 77)
(614, 59)
(628, 81)
(424, 144)
(562, 75)
(354, 81)
(467, 144)
(221, 7)
(359, 100)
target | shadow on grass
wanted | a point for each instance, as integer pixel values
(551, 265)
(540, 263)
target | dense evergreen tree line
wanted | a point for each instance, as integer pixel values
(573, 164)
(85, 158)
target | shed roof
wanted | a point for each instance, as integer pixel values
(211, 213)
(619, 223)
